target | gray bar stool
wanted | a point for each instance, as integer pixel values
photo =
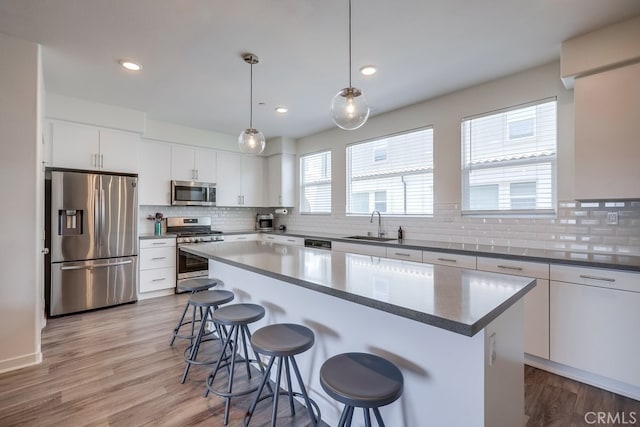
(194, 285)
(208, 302)
(236, 317)
(361, 380)
(282, 342)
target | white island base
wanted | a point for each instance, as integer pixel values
(450, 379)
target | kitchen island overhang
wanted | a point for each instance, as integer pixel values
(456, 334)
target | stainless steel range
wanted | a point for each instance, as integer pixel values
(189, 231)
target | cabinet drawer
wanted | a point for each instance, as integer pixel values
(157, 258)
(405, 254)
(241, 238)
(601, 277)
(356, 248)
(287, 240)
(159, 278)
(517, 268)
(157, 243)
(453, 260)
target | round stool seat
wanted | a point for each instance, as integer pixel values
(238, 314)
(198, 284)
(284, 339)
(211, 298)
(362, 380)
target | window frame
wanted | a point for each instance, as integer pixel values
(302, 186)
(551, 159)
(381, 141)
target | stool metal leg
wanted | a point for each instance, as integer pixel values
(194, 349)
(367, 417)
(274, 411)
(376, 412)
(177, 328)
(288, 373)
(307, 401)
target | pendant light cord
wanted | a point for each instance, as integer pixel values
(350, 44)
(251, 97)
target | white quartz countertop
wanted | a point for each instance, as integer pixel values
(459, 300)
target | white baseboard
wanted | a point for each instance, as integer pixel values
(604, 383)
(20, 362)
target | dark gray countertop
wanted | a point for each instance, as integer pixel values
(458, 300)
(598, 260)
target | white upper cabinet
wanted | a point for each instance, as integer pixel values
(607, 108)
(190, 163)
(240, 180)
(154, 180)
(281, 180)
(88, 147)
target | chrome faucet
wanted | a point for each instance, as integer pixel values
(380, 232)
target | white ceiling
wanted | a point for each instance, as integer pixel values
(194, 74)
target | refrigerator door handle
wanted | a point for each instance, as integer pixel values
(96, 217)
(89, 267)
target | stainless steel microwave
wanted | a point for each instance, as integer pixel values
(191, 193)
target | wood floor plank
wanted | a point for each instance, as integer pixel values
(114, 367)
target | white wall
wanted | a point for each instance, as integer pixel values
(21, 213)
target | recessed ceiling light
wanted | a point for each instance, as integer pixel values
(130, 65)
(368, 70)
(281, 110)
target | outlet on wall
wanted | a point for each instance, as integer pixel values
(612, 218)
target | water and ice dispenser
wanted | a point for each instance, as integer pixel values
(70, 222)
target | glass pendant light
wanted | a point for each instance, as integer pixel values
(251, 141)
(349, 108)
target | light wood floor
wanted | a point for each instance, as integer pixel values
(115, 367)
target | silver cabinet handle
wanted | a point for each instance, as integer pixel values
(242, 238)
(291, 240)
(162, 279)
(94, 160)
(508, 267)
(159, 243)
(158, 258)
(101, 161)
(196, 170)
(401, 254)
(270, 237)
(447, 259)
(89, 267)
(604, 279)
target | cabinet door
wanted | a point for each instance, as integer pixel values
(205, 165)
(119, 151)
(252, 181)
(405, 254)
(182, 163)
(229, 187)
(154, 180)
(536, 302)
(606, 137)
(281, 180)
(596, 329)
(75, 146)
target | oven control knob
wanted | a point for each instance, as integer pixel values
(199, 239)
(192, 239)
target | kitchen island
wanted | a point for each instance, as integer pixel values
(456, 334)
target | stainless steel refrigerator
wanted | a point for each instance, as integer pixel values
(93, 241)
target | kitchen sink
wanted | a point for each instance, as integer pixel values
(376, 239)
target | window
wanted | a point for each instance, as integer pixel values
(315, 183)
(509, 160)
(393, 174)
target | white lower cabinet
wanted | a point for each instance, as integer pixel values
(283, 239)
(536, 302)
(595, 318)
(157, 264)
